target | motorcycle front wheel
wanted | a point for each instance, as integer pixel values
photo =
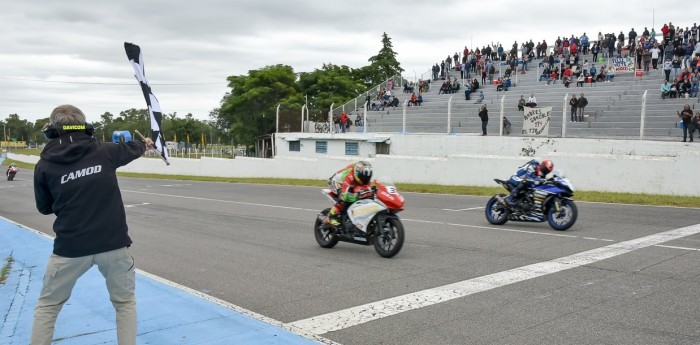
(565, 217)
(324, 234)
(389, 239)
(496, 212)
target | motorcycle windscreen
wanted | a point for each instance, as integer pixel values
(361, 212)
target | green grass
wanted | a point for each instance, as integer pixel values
(6, 269)
(604, 197)
(29, 152)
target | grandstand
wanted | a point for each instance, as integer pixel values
(614, 109)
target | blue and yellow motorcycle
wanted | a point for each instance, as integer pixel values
(551, 201)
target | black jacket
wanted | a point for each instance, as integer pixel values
(76, 180)
(484, 115)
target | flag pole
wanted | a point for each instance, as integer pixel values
(154, 147)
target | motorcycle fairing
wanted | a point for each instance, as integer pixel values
(361, 212)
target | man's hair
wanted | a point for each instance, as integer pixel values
(67, 115)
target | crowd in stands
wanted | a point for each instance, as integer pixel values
(676, 49)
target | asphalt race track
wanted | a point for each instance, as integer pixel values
(622, 274)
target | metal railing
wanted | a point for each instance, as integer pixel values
(354, 104)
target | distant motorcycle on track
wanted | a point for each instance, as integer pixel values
(11, 172)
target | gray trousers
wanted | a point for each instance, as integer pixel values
(117, 266)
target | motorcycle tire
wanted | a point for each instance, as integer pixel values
(565, 217)
(497, 213)
(389, 240)
(324, 235)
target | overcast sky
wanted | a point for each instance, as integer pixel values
(58, 52)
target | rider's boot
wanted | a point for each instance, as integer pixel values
(333, 218)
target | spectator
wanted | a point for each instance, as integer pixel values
(336, 124)
(475, 85)
(582, 103)
(573, 102)
(646, 59)
(481, 98)
(545, 74)
(445, 88)
(532, 101)
(632, 35)
(567, 81)
(521, 103)
(655, 52)
(595, 50)
(668, 51)
(684, 88)
(695, 122)
(601, 75)
(467, 92)
(414, 99)
(581, 79)
(506, 125)
(484, 116)
(552, 78)
(610, 74)
(676, 65)
(686, 116)
(674, 89)
(367, 101)
(420, 99)
(343, 122)
(694, 84)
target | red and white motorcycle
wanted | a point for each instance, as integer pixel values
(11, 172)
(367, 221)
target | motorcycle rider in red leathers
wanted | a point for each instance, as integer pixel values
(10, 167)
(349, 184)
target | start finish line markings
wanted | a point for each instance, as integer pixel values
(346, 318)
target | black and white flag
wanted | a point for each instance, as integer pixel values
(133, 52)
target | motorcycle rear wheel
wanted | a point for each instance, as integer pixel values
(389, 240)
(497, 213)
(565, 217)
(324, 234)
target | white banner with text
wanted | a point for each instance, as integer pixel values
(536, 121)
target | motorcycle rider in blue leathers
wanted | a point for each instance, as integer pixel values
(529, 175)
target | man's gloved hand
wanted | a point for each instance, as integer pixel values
(364, 193)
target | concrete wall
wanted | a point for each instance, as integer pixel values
(597, 165)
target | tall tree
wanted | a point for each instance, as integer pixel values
(383, 65)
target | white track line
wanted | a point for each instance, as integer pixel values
(675, 247)
(342, 319)
(464, 209)
(219, 200)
